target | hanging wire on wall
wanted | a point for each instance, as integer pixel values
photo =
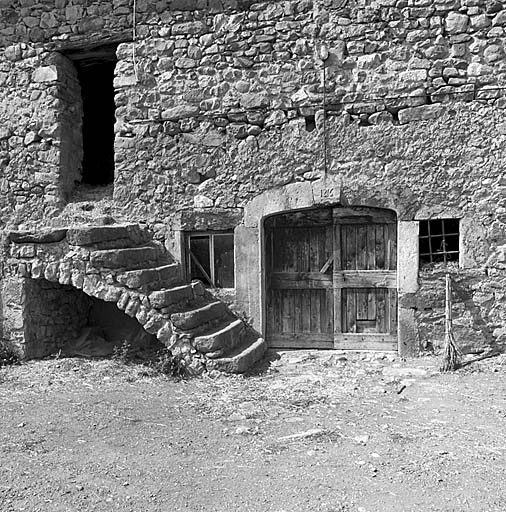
(324, 55)
(134, 39)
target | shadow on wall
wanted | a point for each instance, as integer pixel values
(465, 295)
(472, 322)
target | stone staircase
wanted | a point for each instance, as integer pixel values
(122, 264)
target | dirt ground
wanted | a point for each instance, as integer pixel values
(309, 431)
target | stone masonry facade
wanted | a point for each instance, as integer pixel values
(397, 103)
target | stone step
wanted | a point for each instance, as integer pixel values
(40, 236)
(150, 279)
(168, 300)
(221, 339)
(115, 236)
(241, 358)
(133, 258)
(192, 319)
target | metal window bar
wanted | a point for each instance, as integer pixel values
(443, 243)
(442, 250)
(211, 260)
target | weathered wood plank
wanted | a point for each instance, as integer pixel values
(378, 337)
(349, 248)
(371, 304)
(362, 255)
(380, 247)
(388, 248)
(337, 248)
(312, 248)
(291, 250)
(306, 310)
(392, 311)
(304, 218)
(298, 310)
(351, 310)
(299, 280)
(287, 312)
(365, 279)
(371, 248)
(322, 247)
(344, 308)
(338, 323)
(365, 342)
(329, 305)
(364, 215)
(274, 312)
(381, 312)
(392, 228)
(361, 298)
(269, 310)
(302, 340)
(315, 311)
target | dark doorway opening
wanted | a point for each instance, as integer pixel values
(95, 69)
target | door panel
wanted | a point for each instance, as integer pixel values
(331, 279)
(366, 281)
(299, 287)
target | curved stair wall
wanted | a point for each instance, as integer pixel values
(123, 265)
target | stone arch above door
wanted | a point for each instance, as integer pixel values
(328, 190)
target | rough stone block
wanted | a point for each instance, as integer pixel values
(151, 278)
(154, 322)
(123, 300)
(221, 339)
(45, 74)
(132, 306)
(42, 236)
(164, 334)
(180, 112)
(114, 236)
(456, 22)
(113, 294)
(422, 113)
(164, 298)
(241, 359)
(131, 258)
(188, 320)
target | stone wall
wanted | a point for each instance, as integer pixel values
(220, 100)
(40, 147)
(54, 315)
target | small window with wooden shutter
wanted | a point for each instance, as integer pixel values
(439, 241)
(210, 258)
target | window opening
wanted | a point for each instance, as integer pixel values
(439, 241)
(95, 70)
(310, 123)
(210, 258)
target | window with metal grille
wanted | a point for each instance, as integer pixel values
(210, 258)
(439, 241)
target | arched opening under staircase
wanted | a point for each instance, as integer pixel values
(62, 319)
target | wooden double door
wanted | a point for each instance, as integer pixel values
(331, 279)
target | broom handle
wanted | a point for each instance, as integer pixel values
(448, 309)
